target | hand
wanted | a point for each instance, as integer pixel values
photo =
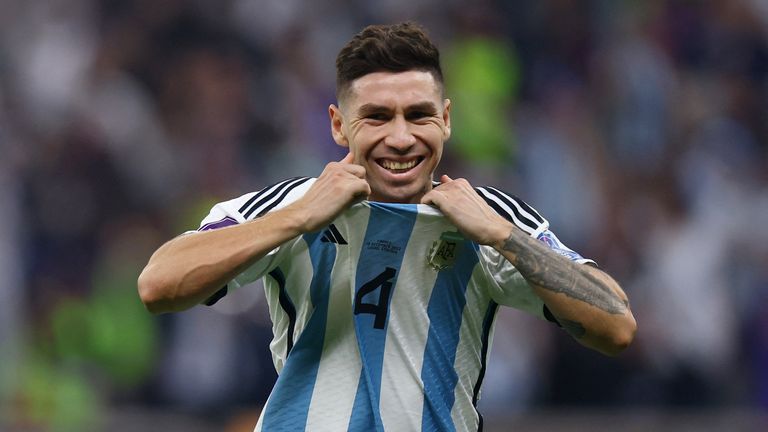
(461, 204)
(340, 185)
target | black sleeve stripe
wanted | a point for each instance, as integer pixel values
(273, 192)
(216, 296)
(496, 207)
(282, 196)
(520, 204)
(550, 317)
(273, 188)
(509, 213)
(509, 205)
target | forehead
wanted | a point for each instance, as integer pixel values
(394, 88)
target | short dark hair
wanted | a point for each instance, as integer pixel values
(387, 48)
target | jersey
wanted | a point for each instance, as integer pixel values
(383, 320)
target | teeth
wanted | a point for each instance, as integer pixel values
(392, 165)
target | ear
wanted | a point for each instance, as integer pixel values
(337, 125)
(447, 119)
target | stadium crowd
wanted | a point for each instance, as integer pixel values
(638, 129)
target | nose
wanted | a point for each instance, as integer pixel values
(399, 135)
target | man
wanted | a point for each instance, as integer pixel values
(383, 307)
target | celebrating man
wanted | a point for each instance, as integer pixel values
(383, 285)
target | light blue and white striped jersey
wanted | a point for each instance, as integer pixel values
(384, 319)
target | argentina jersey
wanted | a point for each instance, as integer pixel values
(384, 319)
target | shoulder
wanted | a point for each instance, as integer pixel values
(272, 197)
(514, 209)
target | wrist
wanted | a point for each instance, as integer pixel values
(500, 234)
(294, 220)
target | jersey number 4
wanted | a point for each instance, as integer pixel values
(384, 281)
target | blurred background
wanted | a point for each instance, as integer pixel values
(638, 128)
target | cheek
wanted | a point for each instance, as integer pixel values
(434, 136)
(357, 143)
(366, 137)
(362, 149)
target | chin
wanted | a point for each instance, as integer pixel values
(406, 194)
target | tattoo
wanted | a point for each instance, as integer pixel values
(574, 328)
(555, 273)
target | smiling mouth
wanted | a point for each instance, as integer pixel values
(399, 166)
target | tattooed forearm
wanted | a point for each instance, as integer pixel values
(551, 272)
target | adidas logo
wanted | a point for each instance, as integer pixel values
(332, 235)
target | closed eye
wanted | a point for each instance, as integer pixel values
(416, 115)
(377, 116)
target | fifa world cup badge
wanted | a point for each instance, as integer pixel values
(442, 254)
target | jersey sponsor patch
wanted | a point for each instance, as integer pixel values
(550, 239)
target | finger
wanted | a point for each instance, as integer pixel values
(430, 198)
(356, 170)
(348, 159)
(362, 193)
(445, 179)
(365, 192)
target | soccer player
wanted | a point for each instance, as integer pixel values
(383, 284)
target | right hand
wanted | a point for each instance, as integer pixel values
(340, 185)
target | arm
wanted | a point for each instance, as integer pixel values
(587, 302)
(190, 268)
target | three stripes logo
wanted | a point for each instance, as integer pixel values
(332, 235)
(268, 198)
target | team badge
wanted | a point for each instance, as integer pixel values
(442, 253)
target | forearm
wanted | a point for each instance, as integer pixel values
(588, 303)
(189, 269)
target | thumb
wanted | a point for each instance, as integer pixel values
(349, 158)
(445, 179)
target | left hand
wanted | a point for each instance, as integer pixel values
(462, 205)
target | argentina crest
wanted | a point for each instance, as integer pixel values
(442, 254)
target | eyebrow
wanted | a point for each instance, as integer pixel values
(371, 108)
(427, 107)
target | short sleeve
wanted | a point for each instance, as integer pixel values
(223, 215)
(507, 285)
(247, 207)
